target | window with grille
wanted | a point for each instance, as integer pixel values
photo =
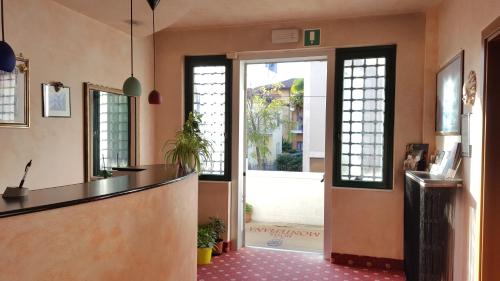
(8, 100)
(364, 116)
(208, 92)
(112, 131)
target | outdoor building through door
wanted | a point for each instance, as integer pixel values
(285, 115)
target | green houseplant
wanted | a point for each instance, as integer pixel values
(218, 227)
(189, 147)
(206, 242)
(248, 212)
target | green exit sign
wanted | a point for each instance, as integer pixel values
(312, 37)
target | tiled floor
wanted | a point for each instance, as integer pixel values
(252, 264)
(284, 236)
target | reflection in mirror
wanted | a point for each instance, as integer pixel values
(14, 95)
(111, 130)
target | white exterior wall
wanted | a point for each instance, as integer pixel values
(314, 113)
(286, 197)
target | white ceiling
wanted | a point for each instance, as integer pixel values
(203, 13)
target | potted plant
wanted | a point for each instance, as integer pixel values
(206, 242)
(189, 148)
(218, 227)
(248, 212)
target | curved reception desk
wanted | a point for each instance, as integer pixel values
(134, 226)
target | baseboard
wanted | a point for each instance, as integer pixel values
(365, 261)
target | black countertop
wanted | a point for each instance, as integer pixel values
(122, 182)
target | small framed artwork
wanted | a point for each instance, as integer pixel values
(449, 96)
(15, 95)
(416, 157)
(466, 146)
(56, 100)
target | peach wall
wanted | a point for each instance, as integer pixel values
(214, 200)
(460, 25)
(145, 235)
(65, 46)
(364, 222)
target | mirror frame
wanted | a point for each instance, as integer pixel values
(22, 61)
(88, 89)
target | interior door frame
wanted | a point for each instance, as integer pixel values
(491, 32)
(237, 184)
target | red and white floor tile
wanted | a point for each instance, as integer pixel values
(253, 264)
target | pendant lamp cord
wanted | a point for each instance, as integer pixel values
(154, 52)
(131, 38)
(3, 35)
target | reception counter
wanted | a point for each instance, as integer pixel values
(137, 225)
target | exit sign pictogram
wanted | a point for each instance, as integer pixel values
(312, 37)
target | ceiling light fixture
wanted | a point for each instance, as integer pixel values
(155, 96)
(132, 86)
(7, 56)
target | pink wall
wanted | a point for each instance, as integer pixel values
(65, 46)
(364, 222)
(214, 200)
(460, 25)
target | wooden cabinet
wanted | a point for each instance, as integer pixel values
(428, 219)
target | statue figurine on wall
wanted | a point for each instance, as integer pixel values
(469, 90)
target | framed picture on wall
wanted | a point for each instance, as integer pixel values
(14, 96)
(449, 96)
(56, 100)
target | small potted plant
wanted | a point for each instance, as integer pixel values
(189, 148)
(248, 212)
(206, 242)
(218, 227)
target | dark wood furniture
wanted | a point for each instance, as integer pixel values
(428, 218)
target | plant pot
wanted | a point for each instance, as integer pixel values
(248, 217)
(218, 248)
(204, 256)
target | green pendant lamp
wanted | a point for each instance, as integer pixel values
(155, 96)
(7, 56)
(132, 86)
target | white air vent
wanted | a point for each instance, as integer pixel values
(285, 36)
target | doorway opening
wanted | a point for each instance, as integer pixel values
(284, 153)
(491, 153)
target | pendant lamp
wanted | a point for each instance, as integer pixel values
(7, 56)
(154, 97)
(132, 86)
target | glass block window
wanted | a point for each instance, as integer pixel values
(208, 92)
(112, 130)
(8, 100)
(364, 120)
(209, 99)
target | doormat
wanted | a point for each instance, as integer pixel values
(296, 237)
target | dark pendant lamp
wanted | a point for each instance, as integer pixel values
(7, 56)
(132, 86)
(154, 97)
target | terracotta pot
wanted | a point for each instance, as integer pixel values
(248, 217)
(218, 248)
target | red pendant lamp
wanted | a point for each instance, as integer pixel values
(155, 96)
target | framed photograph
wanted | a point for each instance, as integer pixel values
(449, 96)
(56, 100)
(14, 96)
(466, 146)
(416, 157)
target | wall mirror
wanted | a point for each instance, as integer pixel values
(14, 96)
(110, 130)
